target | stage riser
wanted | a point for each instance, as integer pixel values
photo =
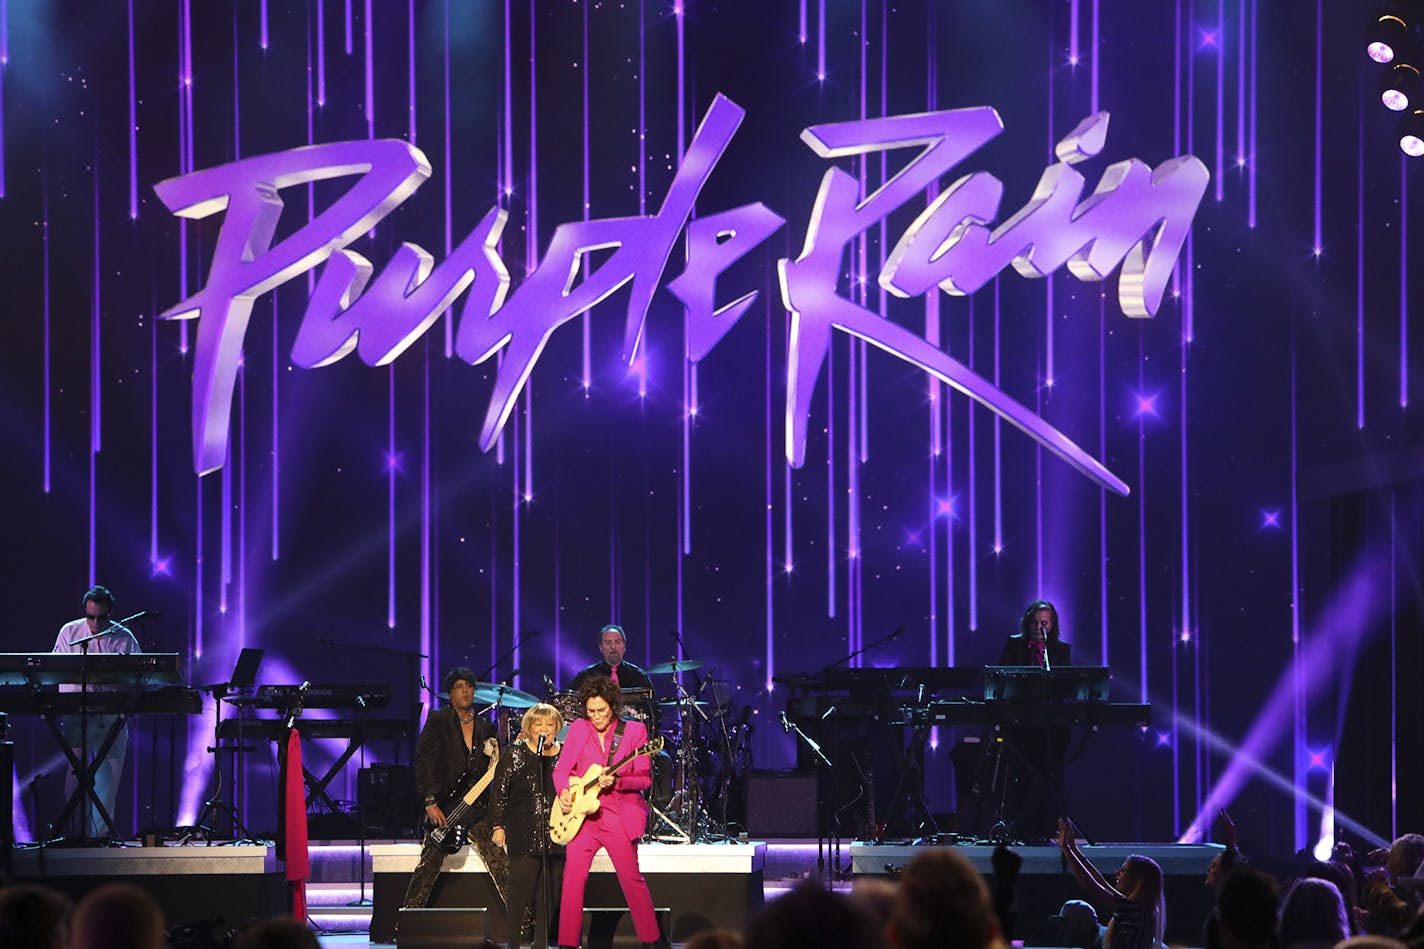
(703, 885)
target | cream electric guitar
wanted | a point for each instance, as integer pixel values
(563, 827)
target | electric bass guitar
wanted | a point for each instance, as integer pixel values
(563, 827)
(457, 804)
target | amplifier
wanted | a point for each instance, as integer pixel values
(781, 804)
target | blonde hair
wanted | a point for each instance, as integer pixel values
(541, 711)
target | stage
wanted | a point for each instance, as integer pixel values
(697, 885)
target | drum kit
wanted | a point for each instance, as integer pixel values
(709, 750)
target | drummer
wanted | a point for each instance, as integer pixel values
(613, 645)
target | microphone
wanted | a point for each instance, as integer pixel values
(549, 685)
(361, 702)
(540, 749)
(785, 724)
(826, 714)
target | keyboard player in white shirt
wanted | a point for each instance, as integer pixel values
(112, 638)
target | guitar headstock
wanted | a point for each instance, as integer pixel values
(652, 747)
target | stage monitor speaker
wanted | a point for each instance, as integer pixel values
(439, 928)
(387, 801)
(612, 927)
(781, 804)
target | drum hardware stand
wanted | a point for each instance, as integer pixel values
(906, 792)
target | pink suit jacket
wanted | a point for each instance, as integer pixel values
(624, 800)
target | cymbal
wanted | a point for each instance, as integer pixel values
(672, 668)
(674, 703)
(505, 695)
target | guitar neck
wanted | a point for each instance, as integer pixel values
(616, 766)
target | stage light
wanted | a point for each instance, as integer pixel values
(1384, 35)
(1402, 87)
(1411, 133)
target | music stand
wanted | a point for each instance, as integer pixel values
(244, 676)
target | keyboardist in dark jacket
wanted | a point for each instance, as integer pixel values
(455, 742)
(1036, 793)
(1038, 632)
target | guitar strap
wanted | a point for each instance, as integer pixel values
(617, 740)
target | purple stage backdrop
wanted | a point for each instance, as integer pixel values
(1223, 494)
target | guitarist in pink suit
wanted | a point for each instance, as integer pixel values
(602, 738)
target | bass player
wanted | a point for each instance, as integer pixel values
(621, 815)
(456, 749)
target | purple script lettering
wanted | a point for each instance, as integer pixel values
(950, 246)
(1137, 216)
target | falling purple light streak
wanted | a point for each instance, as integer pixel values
(516, 566)
(236, 95)
(225, 521)
(949, 584)
(586, 322)
(821, 41)
(370, 87)
(410, 68)
(5, 61)
(242, 513)
(643, 110)
(321, 52)
(1241, 83)
(1221, 96)
(276, 438)
(449, 327)
(1251, 155)
(1072, 33)
(1403, 281)
(48, 336)
(96, 357)
(831, 482)
(133, 119)
(1141, 534)
(1297, 682)
(427, 549)
(262, 38)
(1093, 62)
(801, 30)
(391, 468)
(198, 572)
(769, 461)
(1319, 118)
(1102, 492)
(973, 501)
(1360, 270)
(1177, 42)
(347, 28)
(998, 436)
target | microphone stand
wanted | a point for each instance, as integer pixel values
(823, 836)
(541, 820)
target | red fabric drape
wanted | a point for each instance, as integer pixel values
(295, 804)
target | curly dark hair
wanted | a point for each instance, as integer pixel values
(602, 687)
(455, 675)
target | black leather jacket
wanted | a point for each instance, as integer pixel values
(441, 757)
